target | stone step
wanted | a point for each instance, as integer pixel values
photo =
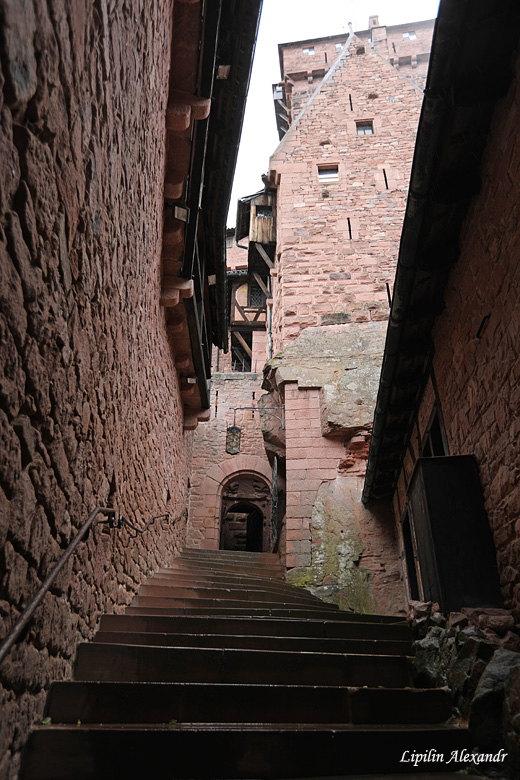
(95, 702)
(265, 626)
(255, 569)
(139, 663)
(250, 611)
(252, 642)
(231, 751)
(210, 603)
(179, 576)
(227, 583)
(226, 555)
(238, 594)
(395, 776)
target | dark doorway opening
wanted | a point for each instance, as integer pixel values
(242, 528)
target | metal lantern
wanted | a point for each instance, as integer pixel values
(233, 435)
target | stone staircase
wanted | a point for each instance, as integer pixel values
(221, 670)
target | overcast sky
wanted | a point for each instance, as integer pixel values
(293, 20)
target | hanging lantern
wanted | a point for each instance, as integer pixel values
(233, 435)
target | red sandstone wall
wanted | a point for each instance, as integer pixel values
(409, 57)
(90, 409)
(479, 378)
(305, 71)
(337, 243)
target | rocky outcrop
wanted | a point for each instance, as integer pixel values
(345, 362)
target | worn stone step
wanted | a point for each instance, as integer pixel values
(179, 576)
(238, 594)
(225, 555)
(252, 642)
(227, 751)
(139, 663)
(264, 626)
(395, 776)
(250, 611)
(105, 702)
(262, 601)
(256, 569)
(227, 583)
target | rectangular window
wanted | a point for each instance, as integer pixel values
(308, 51)
(256, 297)
(328, 173)
(266, 212)
(365, 128)
(339, 46)
(409, 36)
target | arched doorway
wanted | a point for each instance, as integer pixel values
(245, 513)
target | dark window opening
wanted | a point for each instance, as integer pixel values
(350, 101)
(264, 212)
(241, 350)
(365, 128)
(349, 228)
(413, 584)
(434, 444)
(386, 180)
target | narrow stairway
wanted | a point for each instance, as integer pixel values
(221, 670)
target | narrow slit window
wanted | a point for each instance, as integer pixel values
(256, 298)
(365, 128)
(350, 101)
(328, 174)
(308, 51)
(349, 228)
(385, 177)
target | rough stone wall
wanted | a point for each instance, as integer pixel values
(307, 70)
(477, 361)
(234, 389)
(337, 242)
(90, 411)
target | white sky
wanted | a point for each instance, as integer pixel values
(293, 20)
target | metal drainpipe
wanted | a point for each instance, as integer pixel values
(269, 322)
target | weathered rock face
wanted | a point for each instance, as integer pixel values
(343, 360)
(89, 405)
(336, 573)
(483, 676)
(353, 560)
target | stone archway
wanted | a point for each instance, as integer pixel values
(205, 517)
(245, 513)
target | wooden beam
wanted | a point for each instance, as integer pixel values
(242, 312)
(262, 286)
(265, 257)
(244, 343)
